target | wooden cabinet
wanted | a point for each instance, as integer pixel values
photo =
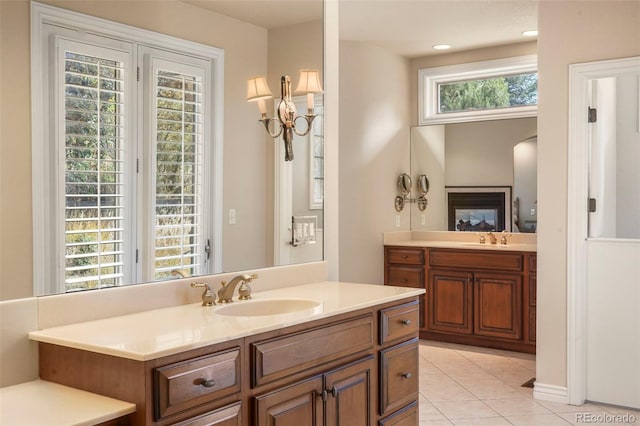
(477, 297)
(405, 267)
(357, 368)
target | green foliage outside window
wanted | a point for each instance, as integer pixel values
(489, 93)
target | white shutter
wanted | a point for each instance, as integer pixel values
(92, 129)
(180, 168)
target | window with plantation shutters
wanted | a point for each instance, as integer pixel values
(93, 129)
(126, 154)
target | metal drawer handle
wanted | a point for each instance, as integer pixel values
(406, 322)
(406, 375)
(208, 383)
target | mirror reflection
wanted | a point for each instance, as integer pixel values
(482, 175)
(243, 230)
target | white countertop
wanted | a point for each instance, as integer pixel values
(466, 245)
(154, 334)
(40, 403)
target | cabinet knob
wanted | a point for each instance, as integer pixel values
(406, 375)
(334, 392)
(406, 322)
(404, 256)
(207, 383)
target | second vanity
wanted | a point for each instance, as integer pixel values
(347, 354)
(477, 293)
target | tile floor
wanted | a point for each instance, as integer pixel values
(468, 385)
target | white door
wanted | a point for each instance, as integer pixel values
(612, 245)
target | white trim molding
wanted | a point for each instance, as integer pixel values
(577, 220)
(551, 393)
(430, 78)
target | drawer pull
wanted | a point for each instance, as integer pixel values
(406, 322)
(406, 375)
(404, 256)
(208, 383)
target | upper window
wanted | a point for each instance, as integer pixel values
(505, 88)
(125, 151)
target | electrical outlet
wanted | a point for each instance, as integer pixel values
(232, 216)
(532, 212)
(397, 221)
(423, 219)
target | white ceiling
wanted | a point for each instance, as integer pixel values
(407, 27)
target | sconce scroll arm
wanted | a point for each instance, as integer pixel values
(266, 121)
(309, 119)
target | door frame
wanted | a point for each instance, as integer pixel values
(577, 218)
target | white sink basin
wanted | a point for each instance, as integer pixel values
(268, 307)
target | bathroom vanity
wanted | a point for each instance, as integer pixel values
(351, 359)
(476, 294)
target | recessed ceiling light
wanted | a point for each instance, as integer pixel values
(530, 33)
(442, 46)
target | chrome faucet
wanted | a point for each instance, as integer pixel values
(225, 294)
(208, 298)
(482, 239)
(492, 238)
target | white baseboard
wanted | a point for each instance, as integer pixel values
(551, 393)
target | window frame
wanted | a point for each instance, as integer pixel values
(85, 27)
(430, 78)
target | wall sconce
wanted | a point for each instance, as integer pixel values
(258, 90)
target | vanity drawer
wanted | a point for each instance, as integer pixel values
(283, 356)
(399, 322)
(477, 259)
(398, 376)
(185, 384)
(405, 276)
(405, 255)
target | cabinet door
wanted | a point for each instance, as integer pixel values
(296, 405)
(349, 398)
(498, 305)
(230, 415)
(449, 301)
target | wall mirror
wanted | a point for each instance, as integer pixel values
(286, 40)
(478, 158)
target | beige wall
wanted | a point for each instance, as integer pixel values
(570, 32)
(245, 56)
(481, 153)
(374, 150)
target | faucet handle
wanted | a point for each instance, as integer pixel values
(482, 238)
(503, 239)
(208, 298)
(244, 291)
